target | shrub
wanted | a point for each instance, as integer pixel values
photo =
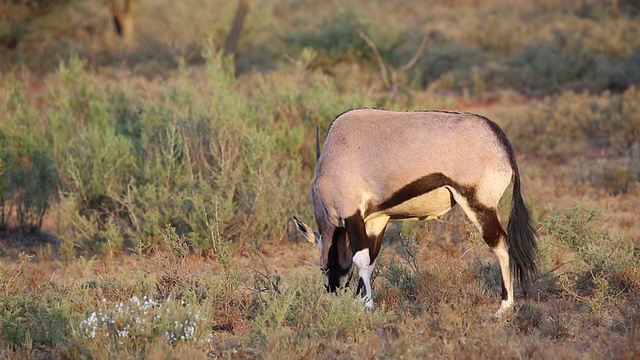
(404, 275)
(27, 183)
(337, 40)
(450, 62)
(32, 318)
(550, 66)
(141, 166)
(286, 320)
(570, 59)
(569, 124)
(27, 322)
(29, 177)
(600, 260)
(135, 323)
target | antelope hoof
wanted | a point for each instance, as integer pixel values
(368, 302)
(505, 306)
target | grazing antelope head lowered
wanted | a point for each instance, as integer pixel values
(379, 166)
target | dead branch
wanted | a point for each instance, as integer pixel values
(122, 18)
(376, 53)
(236, 27)
(417, 55)
(388, 70)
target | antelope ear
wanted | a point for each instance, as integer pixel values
(306, 231)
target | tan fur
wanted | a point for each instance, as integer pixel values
(379, 166)
(379, 151)
(369, 154)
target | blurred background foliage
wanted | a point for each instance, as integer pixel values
(534, 47)
(122, 117)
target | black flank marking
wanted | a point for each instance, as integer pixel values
(492, 230)
(412, 190)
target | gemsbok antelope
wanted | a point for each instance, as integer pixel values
(379, 166)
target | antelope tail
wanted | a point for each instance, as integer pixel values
(521, 237)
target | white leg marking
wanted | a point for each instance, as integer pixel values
(505, 305)
(503, 259)
(362, 260)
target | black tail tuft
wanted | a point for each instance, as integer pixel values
(522, 240)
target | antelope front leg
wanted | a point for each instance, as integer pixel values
(362, 260)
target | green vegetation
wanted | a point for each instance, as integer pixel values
(127, 165)
(146, 188)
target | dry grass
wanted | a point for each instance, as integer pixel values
(167, 179)
(443, 309)
(267, 301)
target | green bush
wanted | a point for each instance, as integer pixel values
(336, 40)
(444, 57)
(303, 311)
(35, 184)
(28, 178)
(26, 322)
(33, 318)
(131, 165)
(580, 54)
(593, 276)
(570, 123)
(551, 66)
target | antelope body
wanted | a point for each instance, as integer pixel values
(379, 166)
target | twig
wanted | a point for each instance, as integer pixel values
(574, 294)
(386, 70)
(376, 53)
(557, 267)
(417, 55)
(465, 253)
